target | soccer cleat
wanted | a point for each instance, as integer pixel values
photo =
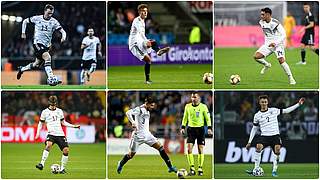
(63, 171)
(39, 166)
(19, 74)
(192, 172)
(301, 63)
(265, 68)
(119, 167)
(292, 81)
(148, 82)
(172, 169)
(250, 172)
(200, 172)
(163, 50)
(274, 174)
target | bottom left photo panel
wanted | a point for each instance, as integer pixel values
(56, 134)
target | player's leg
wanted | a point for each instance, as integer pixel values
(134, 144)
(45, 154)
(83, 72)
(190, 157)
(147, 65)
(34, 65)
(257, 156)
(164, 156)
(200, 159)
(47, 64)
(280, 54)
(259, 57)
(64, 147)
(314, 49)
(302, 54)
(276, 151)
(92, 69)
(154, 45)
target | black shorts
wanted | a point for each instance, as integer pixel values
(86, 64)
(196, 133)
(308, 39)
(61, 141)
(269, 141)
(39, 49)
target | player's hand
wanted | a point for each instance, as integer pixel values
(36, 137)
(301, 30)
(248, 146)
(23, 36)
(182, 131)
(272, 45)
(100, 53)
(77, 126)
(134, 126)
(209, 132)
(301, 101)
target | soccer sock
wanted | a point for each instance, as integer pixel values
(124, 160)
(154, 46)
(303, 55)
(27, 67)
(82, 76)
(316, 51)
(147, 71)
(92, 68)
(64, 160)
(190, 160)
(48, 71)
(257, 159)
(45, 155)
(262, 61)
(275, 162)
(286, 68)
(200, 160)
(165, 157)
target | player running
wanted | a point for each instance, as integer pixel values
(44, 26)
(196, 116)
(139, 45)
(53, 117)
(139, 119)
(89, 45)
(266, 120)
(308, 36)
(275, 37)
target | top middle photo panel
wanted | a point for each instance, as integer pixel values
(160, 45)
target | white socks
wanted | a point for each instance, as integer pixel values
(275, 163)
(26, 68)
(45, 155)
(92, 68)
(286, 69)
(257, 159)
(48, 71)
(82, 76)
(64, 161)
(262, 61)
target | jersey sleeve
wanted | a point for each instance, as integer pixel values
(136, 111)
(57, 25)
(61, 115)
(85, 41)
(185, 117)
(97, 40)
(43, 116)
(206, 115)
(255, 120)
(277, 111)
(33, 19)
(311, 18)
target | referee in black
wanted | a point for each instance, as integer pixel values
(308, 36)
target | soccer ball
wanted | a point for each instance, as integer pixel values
(258, 171)
(55, 168)
(182, 173)
(53, 80)
(234, 79)
(207, 78)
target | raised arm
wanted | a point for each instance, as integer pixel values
(65, 123)
(294, 107)
(24, 27)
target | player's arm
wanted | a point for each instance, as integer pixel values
(99, 48)
(65, 123)
(294, 107)
(253, 132)
(63, 34)
(311, 24)
(39, 129)
(207, 118)
(184, 120)
(24, 27)
(83, 46)
(130, 113)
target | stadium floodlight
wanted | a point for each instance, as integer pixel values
(12, 18)
(19, 19)
(5, 17)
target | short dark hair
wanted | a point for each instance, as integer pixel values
(149, 100)
(53, 100)
(142, 6)
(264, 96)
(194, 92)
(48, 6)
(306, 4)
(266, 10)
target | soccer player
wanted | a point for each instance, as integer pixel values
(196, 116)
(89, 45)
(139, 45)
(308, 36)
(139, 119)
(53, 117)
(266, 120)
(275, 37)
(289, 23)
(44, 26)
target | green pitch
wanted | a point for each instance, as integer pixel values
(186, 76)
(153, 167)
(285, 171)
(86, 161)
(240, 61)
(71, 87)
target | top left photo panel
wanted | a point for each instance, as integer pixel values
(53, 45)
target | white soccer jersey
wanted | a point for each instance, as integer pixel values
(137, 32)
(268, 121)
(90, 52)
(53, 119)
(273, 32)
(141, 117)
(44, 29)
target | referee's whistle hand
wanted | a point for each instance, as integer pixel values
(182, 131)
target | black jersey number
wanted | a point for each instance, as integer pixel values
(267, 119)
(44, 28)
(280, 53)
(54, 118)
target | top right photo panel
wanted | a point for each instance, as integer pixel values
(266, 45)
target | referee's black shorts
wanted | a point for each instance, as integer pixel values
(308, 39)
(196, 133)
(269, 141)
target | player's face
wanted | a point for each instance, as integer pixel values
(143, 13)
(151, 106)
(263, 16)
(306, 8)
(263, 103)
(52, 107)
(48, 12)
(90, 32)
(195, 98)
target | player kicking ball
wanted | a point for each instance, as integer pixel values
(266, 120)
(53, 117)
(44, 27)
(139, 118)
(275, 37)
(139, 45)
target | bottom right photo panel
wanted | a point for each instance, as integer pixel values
(269, 134)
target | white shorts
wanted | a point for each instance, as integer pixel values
(266, 51)
(138, 139)
(139, 50)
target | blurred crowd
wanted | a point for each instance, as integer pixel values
(74, 17)
(86, 108)
(165, 121)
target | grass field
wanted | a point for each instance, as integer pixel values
(75, 87)
(285, 171)
(86, 161)
(240, 61)
(187, 76)
(153, 167)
